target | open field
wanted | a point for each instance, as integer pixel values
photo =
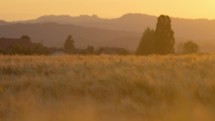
(107, 88)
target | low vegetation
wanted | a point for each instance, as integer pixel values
(188, 47)
(107, 88)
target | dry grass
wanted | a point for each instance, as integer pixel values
(107, 88)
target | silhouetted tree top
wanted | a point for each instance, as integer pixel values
(69, 44)
(163, 23)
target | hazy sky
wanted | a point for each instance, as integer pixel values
(28, 9)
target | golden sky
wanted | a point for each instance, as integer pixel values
(29, 9)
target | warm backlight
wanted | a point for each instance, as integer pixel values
(28, 9)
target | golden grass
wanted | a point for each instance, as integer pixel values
(107, 88)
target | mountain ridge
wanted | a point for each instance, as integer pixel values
(198, 30)
(195, 29)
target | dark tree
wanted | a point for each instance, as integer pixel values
(190, 47)
(39, 49)
(160, 41)
(164, 42)
(69, 45)
(146, 45)
(26, 38)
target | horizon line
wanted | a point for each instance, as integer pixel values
(98, 16)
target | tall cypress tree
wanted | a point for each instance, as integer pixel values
(164, 42)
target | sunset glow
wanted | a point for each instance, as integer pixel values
(29, 9)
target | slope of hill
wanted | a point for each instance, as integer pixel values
(196, 29)
(52, 34)
(65, 19)
(112, 32)
(2, 22)
(199, 30)
(128, 22)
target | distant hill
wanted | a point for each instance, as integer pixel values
(54, 35)
(2, 22)
(94, 30)
(128, 22)
(197, 29)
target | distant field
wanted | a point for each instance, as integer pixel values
(107, 88)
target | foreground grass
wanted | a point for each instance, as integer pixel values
(107, 88)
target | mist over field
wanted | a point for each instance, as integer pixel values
(104, 88)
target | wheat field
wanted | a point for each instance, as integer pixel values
(107, 88)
